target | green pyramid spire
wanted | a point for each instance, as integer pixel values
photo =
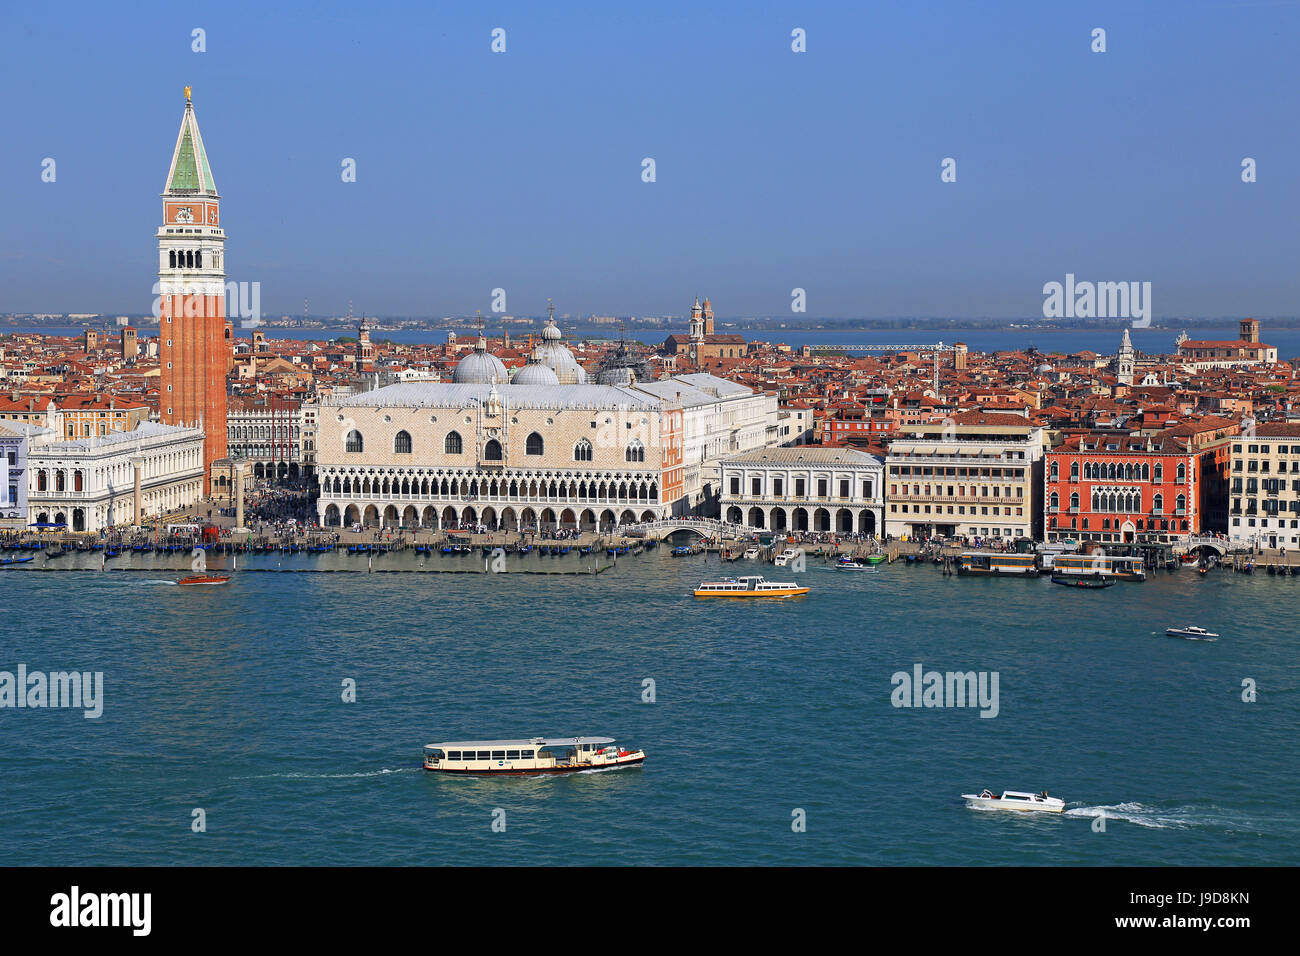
(190, 173)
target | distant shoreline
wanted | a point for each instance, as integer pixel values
(772, 327)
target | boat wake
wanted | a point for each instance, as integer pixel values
(1171, 818)
(158, 581)
(625, 766)
(327, 776)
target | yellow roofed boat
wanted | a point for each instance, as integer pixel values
(749, 586)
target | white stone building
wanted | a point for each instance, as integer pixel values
(805, 488)
(501, 456)
(976, 474)
(719, 418)
(1265, 488)
(274, 437)
(16, 440)
(115, 480)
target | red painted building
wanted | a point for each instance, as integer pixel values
(1102, 486)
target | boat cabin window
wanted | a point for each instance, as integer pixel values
(453, 755)
(435, 754)
(527, 755)
(485, 755)
(498, 755)
(512, 754)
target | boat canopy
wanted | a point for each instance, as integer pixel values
(515, 744)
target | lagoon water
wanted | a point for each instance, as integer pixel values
(229, 699)
(1150, 341)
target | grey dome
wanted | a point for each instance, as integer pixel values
(480, 367)
(553, 353)
(535, 373)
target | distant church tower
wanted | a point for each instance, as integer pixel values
(1250, 330)
(365, 351)
(192, 296)
(697, 321)
(1125, 361)
(708, 318)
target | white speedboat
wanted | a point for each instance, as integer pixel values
(846, 565)
(1190, 633)
(752, 554)
(785, 557)
(1015, 800)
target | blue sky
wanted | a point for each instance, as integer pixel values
(775, 170)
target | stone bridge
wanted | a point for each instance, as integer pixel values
(1218, 545)
(704, 527)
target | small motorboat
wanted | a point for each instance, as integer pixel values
(751, 554)
(875, 558)
(1015, 800)
(785, 557)
(196, 579)
(1190, 633)
(1079, 581)
(852, 566)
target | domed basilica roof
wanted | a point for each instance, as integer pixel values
(554, 354)
(535, 373)
(480, 367)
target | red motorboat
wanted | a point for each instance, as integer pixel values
(194, 579)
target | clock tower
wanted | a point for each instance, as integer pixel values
(193, 351)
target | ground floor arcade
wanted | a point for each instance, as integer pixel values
(853, 520)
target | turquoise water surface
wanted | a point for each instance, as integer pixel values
(230, 699)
